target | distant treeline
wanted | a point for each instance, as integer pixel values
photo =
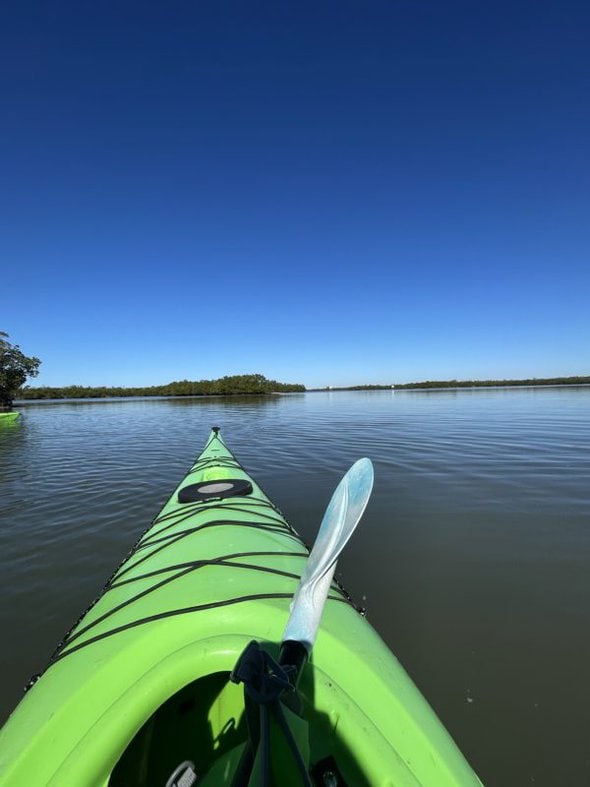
(224, 386)
(472, 383)
(495, 383)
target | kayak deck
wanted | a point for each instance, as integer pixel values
(141, 682)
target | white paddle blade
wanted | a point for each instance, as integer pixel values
(340, 520)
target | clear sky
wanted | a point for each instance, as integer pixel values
(329, 193)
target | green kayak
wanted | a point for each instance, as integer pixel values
(8, 417)
(146, 688)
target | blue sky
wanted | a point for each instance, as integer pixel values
(330, 193)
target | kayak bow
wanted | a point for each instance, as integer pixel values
(8, 417)
(139, 693)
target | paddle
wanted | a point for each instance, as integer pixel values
(342, 515)
(264, 680)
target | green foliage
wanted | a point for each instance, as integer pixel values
(224, 386)
(429, 384)
(498, 383)
(15, 368)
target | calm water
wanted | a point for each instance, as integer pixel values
(473, 559)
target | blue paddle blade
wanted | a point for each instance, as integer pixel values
(342, 515)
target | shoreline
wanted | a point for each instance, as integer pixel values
(450, 385)
(407, 387)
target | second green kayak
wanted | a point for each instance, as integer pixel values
(8, 417)
(144, 690)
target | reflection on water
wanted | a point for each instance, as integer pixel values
(472, 559)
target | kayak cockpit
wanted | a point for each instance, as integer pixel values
(204, 725)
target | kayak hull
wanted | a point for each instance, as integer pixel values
(205, 579)
(8, 418)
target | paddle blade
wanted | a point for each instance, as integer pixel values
(340, 520)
